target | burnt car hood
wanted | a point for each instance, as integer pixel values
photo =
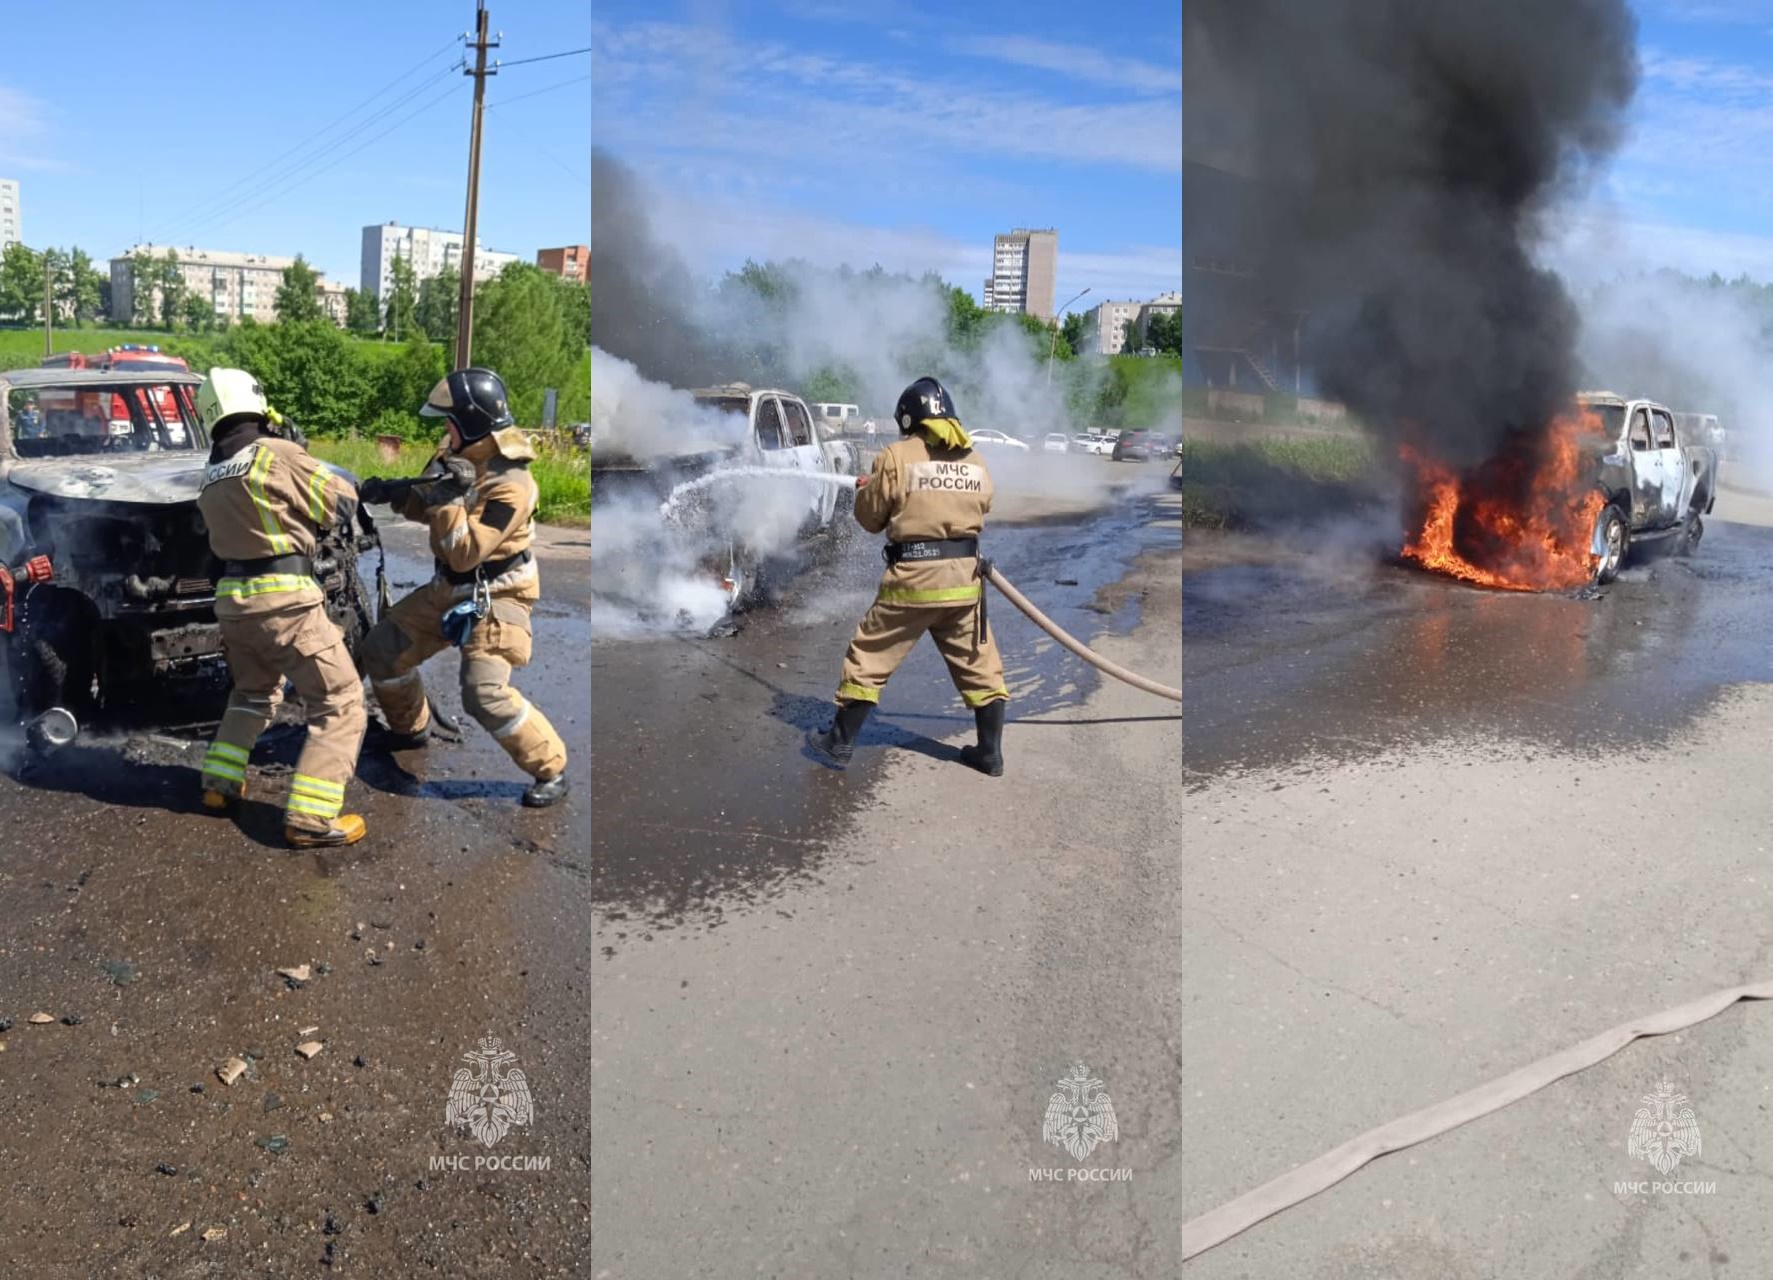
(161, 479)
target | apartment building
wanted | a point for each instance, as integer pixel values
(237, 285)
(11, 216)
(429, 250)
(1105, 326)
(1023, 266)
(333, 303)
(572, 262)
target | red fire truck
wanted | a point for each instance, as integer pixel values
(105, 413)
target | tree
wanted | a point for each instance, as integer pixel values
(362, 313)
(80, 286)
(199, 313)
(144, 278)
(575, 296)
(55, 266)
(21, 283)
(298, 297)
(438, 304)
(1129, 332)
(403, 382)
(1165, 332)
(403, 298)
(1073, 331)
(521, 329)
(310, 371)
(172, 289)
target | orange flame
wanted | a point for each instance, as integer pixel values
(1541, 540)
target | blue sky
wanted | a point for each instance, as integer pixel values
(903, 133)
(1692, 186)
(162, 119)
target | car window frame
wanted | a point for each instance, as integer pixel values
(769, 403)
(788, 407)
(1662, 425)
(1640, 418)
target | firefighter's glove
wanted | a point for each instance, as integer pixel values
(374, 490)
(456, 478)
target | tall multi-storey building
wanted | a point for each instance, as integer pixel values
(573, 262)
(1105, 327)
(1023, 265)
(11, 216)
(428, 249)
(237, 285)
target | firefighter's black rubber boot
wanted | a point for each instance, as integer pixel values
(837, 742)
(544, 792)
(987, 756)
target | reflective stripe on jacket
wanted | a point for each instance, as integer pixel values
(918, 490)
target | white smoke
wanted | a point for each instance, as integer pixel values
(634, 418)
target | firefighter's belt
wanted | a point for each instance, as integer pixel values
(489, 569)
(930, 549)
(297, 564)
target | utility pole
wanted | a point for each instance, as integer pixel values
(48, 310)
(465, 309)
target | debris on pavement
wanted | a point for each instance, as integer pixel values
(180, 1229)
(296, 976)
(309, 1048)
(42, 1019)
(231, 1070)
(215, 1233)
(276, 1144)
(306, 1031)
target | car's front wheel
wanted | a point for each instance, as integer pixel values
(1692, 530)
(1610, 539)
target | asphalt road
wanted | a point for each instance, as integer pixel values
(829, 1009)
(1435, 833)
(153, 935)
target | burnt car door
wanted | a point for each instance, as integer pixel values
(1646, 471)
(1670, 468)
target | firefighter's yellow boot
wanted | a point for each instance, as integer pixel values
(345, 829)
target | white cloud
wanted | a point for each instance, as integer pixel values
(764, 99)
(1087, 65)
(25, 133)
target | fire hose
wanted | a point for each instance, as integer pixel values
(1076, 646)
(1218, 1225)
(1058, 633)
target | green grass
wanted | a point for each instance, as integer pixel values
(563, 475)
(1232, 485)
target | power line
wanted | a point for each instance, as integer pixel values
(320, 133)
(532, 93)
(281, 193)
(219, 215)
(545, 57)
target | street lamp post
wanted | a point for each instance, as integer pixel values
(1053, 348)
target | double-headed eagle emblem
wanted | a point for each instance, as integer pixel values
(490, 1098)
(1664, 1129)
(1077, 1121)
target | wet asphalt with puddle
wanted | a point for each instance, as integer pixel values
(1291, 659)
(153, 935)
(707, 801)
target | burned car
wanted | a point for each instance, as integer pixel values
(106, 578)
(1656, 484)
(773, 430)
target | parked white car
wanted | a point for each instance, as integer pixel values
(997, 439)
(1092, 442)
(1055, 442)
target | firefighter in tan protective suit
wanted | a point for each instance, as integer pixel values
(929, 491)
(480, 509)
(265, 500)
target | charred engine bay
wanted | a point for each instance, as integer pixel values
(124, 556)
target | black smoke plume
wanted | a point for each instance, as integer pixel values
(1392, 162)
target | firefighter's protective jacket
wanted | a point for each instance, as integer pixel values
(493, 521)
(270, 498)
(918, 490)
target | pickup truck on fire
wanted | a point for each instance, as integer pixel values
(1656, 485)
